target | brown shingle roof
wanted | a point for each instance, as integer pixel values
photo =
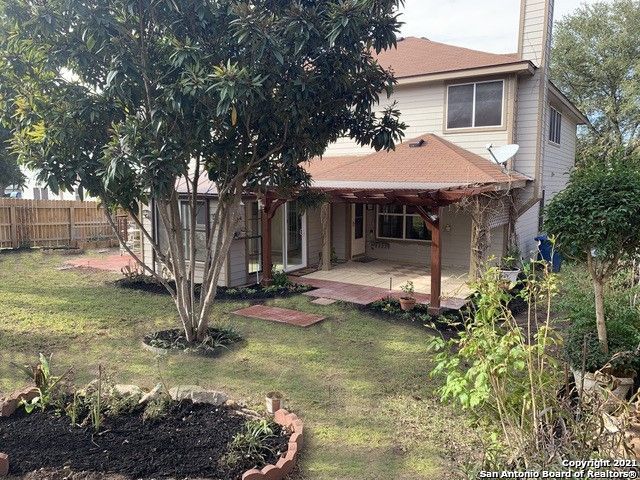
(437, 162)
(420, 56)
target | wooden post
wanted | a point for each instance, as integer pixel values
(267, 264)
(325, 220)
(436, 268)
(72, 226)
(13, 226)
(432, 220)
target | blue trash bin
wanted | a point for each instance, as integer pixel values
(547, 253)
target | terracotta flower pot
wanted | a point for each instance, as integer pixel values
(407, 303)
(274, 402)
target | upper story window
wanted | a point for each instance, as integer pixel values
(555, 125)
(476, 104)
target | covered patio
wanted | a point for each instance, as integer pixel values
(425, 175)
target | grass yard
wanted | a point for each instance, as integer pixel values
(359, 382)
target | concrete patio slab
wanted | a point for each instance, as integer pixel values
(282, 315)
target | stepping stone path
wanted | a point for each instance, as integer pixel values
(323, 301)
(282, 315)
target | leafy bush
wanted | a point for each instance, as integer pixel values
(280, 278)
(622, 337)
(254, 444)
(577, 299)
(214, 340)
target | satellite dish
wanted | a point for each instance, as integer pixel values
(502, 155)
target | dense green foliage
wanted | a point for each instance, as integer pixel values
(121, 96)
(10, 173)
(577, 302)
(599, 209)
(503, 371)
(595, 62)
(622, 337)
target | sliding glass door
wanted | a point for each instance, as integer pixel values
(288, 237)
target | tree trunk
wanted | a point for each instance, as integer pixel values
(598, 285)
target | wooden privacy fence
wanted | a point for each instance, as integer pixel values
(53, 223)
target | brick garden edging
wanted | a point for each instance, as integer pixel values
(287, 461)
(8, 406)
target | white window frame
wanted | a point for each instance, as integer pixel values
(200, 227)
(558, 129)
(473, 106)
(404, 216)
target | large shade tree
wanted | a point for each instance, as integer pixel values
(126, 97)
(596, 62)
(597, 219)
(10, 173)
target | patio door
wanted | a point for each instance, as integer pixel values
(289, 237)
(358, 241)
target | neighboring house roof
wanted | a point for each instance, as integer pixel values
(436, 164)
(420, 56)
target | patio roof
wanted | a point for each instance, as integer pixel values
(426, 170)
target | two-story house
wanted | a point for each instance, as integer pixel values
(438, 205)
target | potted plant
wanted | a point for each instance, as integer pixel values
(407, 301)
(510, 266)
(592, 367)
(274, 402)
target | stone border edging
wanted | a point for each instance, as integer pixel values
(8, 406)
(286, 462)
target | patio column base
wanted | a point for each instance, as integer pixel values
(435, 311)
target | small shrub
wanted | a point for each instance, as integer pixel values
(621, 338)
(280, 278)
(157, 408)
(252, 444)
(48, 385)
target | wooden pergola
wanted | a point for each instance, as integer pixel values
(428, 202)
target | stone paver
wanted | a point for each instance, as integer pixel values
(324, 301)
(282, 315)
(364, 294)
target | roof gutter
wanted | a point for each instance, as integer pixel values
(524, 67)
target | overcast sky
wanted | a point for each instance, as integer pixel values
(490, 25)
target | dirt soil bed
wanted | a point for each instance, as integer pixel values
(148, 284)
(188, 443)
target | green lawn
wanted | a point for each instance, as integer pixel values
(359, 382)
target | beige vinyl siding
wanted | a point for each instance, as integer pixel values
(222, 281)
(455, 242)
(339, 230)
(496, 245)
(422, 108)
(559, 159)
(314, 237)
(527, 230)
(533, 29)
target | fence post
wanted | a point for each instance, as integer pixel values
(13, 225)
(72, 226)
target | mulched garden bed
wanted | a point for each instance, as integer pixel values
(190, 441)
(216, 341)
(149, 284)
(450, 321)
